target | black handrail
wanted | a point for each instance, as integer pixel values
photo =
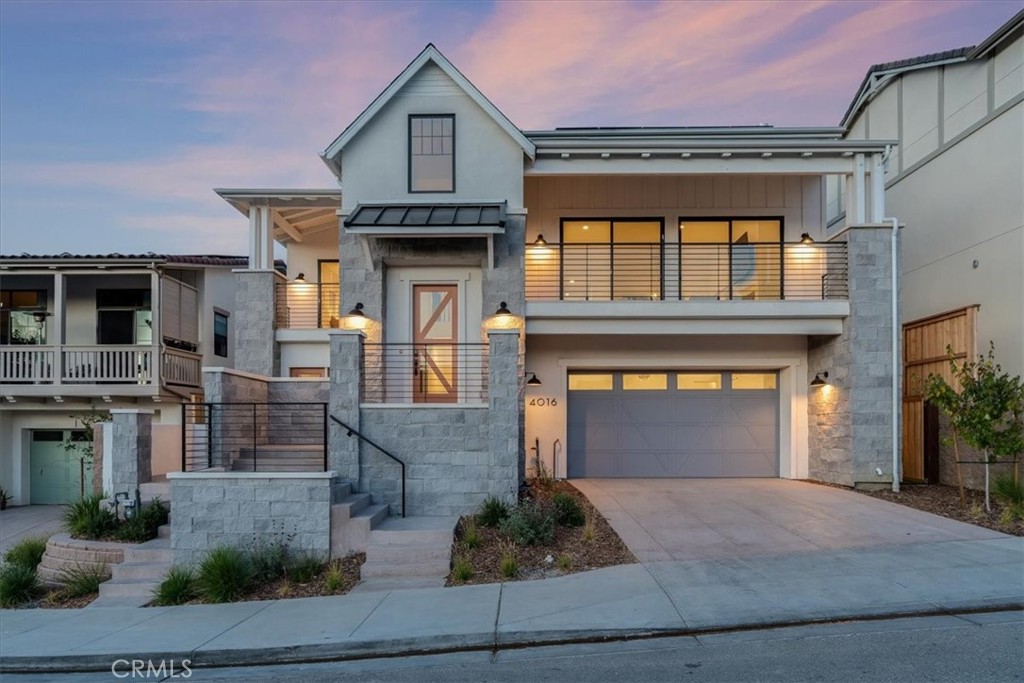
(351, 431)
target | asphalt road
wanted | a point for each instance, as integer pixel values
(975, 648)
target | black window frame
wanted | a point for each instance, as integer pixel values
(220, 341)
(730, 220)
(7, 307)
(611, 220)
(409, 155)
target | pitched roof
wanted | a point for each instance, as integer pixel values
(430, 54)
(426, 219)
(148, 257)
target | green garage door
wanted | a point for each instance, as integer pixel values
(57, 472)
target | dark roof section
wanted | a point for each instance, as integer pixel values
(958, 53)
(427, 215)
(182, 259)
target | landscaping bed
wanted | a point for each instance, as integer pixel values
(586, 542)
(944, 500)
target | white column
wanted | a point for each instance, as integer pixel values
(155, 300)
(860, 207)
(266, 248)
(877, 189)
(58, 327)
(254, 242)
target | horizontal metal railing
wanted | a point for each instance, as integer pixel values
(686, 272)
(425, 373)
(302, 305)
(254, 437)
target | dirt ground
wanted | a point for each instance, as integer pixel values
(945, 500)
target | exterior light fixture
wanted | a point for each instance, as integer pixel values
(355, 319)
(358, 311)
(301, 277)
(503, 309)
(819, 379)
(806, 239)
(540, 241)
(533, 381)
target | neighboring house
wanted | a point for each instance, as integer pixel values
(630, 302)
(957, 183)
(95, 333)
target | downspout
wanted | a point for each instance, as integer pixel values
(895, 345)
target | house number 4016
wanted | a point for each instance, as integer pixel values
(544, 402)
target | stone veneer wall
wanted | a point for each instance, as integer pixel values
(238, 509)
(256, 349)
(850, 420)
(131, 459)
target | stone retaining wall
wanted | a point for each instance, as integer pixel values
(242, 509)
(64, 553)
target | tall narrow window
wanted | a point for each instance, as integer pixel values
(432, 153)
(220, 334)
(124, 316)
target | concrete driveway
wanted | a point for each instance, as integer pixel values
(25, 521)
(708, 519)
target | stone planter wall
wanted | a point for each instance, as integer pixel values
(64, 553)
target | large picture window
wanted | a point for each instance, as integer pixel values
(611, 259)
(730, 258)
(432, 153)
(23, 316)
(124, 316)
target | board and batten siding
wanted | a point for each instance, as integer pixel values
(798, 199)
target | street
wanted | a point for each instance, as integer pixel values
(969, 647)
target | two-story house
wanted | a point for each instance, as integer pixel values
(84, 334)
(617, 302)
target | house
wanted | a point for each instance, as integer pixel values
(80, 334)
(956, 182)
(605, 302)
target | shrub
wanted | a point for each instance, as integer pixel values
(18, 585)
(470, 533)
(493, 511)
(1011, 513)
(145, 525)
(224, 575)
(564, 562)
(509, 564)
(462, 570)
(567, 511)
(177, 588)
(28, 552)
(84, 579)
(334, 581)
(305, 567)
(1008, 491)
(529, 523)
(89, 518)
(269, 562)
(589, 527)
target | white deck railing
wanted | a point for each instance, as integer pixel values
(94, 364)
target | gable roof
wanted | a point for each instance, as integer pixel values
(430, 54)
(65, 258)
(880, 74)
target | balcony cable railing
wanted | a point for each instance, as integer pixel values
(300, 305)
(428, 373)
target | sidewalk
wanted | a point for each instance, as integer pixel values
(626, 601)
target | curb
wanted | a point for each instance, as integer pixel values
(432, 645)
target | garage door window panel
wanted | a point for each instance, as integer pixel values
(591, 382)
(699, 381)
(645, 382)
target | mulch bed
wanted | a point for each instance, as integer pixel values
(56, 598)
(945, 500)
(605, 549)
(286, 588)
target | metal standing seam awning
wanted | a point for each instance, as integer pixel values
(427, 220)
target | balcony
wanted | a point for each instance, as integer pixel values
(686, 272)
(84, 369)
(425, 373)
(300, 305)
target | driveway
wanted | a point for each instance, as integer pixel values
(707, 519)
(24, 521)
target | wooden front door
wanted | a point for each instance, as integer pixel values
(435, 343)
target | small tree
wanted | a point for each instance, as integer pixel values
(986, 410)
(84, 449)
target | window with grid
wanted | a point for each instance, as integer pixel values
(432, 153)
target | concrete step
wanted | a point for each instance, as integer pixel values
(130, 571)
(129, 588)
(352, 504)
(164, 531)
(380, 585)
(406, 569)
(157, 550)
(117, 601)
(394, 553)
(397, 531)
(351, 534)
(410, 548)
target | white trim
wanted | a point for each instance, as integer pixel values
(448, 406)
(429, 54)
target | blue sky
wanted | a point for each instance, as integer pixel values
(118, 118)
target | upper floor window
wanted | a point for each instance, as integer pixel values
(220, 334)
(124, 316)
(432, 153)
(23, 316)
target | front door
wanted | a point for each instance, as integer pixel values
(435, 343)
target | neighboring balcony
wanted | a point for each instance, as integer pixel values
(301, 305)
(806, 283)
(87, 369)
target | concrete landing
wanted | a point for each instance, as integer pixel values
(410, 552)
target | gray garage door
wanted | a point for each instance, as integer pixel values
(673, 424)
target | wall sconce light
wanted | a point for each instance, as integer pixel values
(820, 379)
(301, 277)
(358, 311)
(356, 319)
(534, 381)
(503, 309)
(540, 241)
(806, 239)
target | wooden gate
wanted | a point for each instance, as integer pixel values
(925, 352)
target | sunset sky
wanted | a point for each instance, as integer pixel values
(118, 118)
